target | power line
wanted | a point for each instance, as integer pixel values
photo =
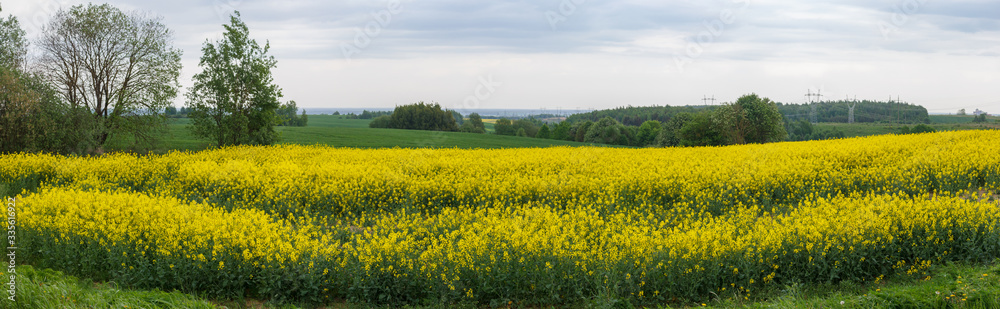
(706, 99)
(850, 109)
(809, 96)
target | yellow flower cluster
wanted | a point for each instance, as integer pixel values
(171, 228)
(533, 225)
(323, 181)
(168, 243)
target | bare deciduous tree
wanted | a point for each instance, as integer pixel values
(120, 67)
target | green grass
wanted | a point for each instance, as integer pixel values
(381, 138)
(327, 121)
(339, 132)
(179, 137)
(942, 286)
(47, 288)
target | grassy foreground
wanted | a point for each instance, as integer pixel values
(46, 288)
(945, 286)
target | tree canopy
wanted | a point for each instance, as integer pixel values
(607, 131)
(417, 116)
(234, 99)
(503, 126)
(120, 67)
(13, 43)
(474, 124)
(751, 119)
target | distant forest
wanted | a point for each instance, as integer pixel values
(635, 116)
(864, 111)
(829, 111)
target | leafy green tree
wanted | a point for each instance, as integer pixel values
(922, 128)
(865, 111)
(561, 131)
(669, 131)
(961, 112)
(381, 122)
(119, 67)
(701, 131)
(423, 116)
(474, 125)
(288, 115)
(468, 128)
(13, 43)
(606, 131)
(477, 121)
(372, 114)
(801, 130)
(981, 118)
(751, 119)
(457, 116)
(32, 117)
(521, 133)
(503, 126)
(530, 126)
(635, 116)
(581, 130)
(234, 98)
(647, 133)
(628, 137)
(544, 132)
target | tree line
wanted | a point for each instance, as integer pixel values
(751, 119)
(106, 77)
(864, 111)
(635, 116)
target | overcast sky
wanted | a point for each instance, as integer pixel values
(944, 55)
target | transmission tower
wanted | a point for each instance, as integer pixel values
(706, 99)
(850, 110)
(809, 96)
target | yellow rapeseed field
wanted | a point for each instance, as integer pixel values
(526, 226)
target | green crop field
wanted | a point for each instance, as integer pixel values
(330, 121)
(340, 132)
(951, 119)
(866, 129)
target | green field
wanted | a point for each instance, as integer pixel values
(866, 129)
(339, 132)
(942, 119)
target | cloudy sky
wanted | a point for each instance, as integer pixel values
(944, 55)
